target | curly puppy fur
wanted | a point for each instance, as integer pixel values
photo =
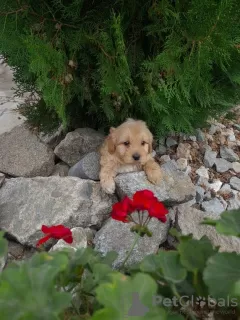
(127, 148)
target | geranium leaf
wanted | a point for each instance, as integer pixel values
(171, 267)
(228, 224)
(222, 274)
(195, 253)
(3, 245)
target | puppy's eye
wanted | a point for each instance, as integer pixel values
(126, 143)
(143, 143)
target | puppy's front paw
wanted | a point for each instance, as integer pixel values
(108, 186)
(154, 173)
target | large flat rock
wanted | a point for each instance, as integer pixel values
(175, 187)
(116, 236)
(22, 154)
(188, 221)
(28, 203)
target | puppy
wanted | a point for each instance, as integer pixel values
(127, 148)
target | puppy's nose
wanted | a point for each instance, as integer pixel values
(136, 156)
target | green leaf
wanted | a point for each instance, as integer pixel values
(123, 290)
(228, 224)
(3, 245)
(195, 253)
(222, 274)
(171, 267)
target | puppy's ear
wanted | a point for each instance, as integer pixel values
(150, 150)
(111, 141)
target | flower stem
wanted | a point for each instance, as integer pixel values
(147, 221)
(131, 249)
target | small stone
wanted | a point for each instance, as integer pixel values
(234, 203)
(203, 182)
(215, 185)
(52, 139)
(188, 170)
(161, 150)
(87, 168)
(170, 142)
(77, 144)
(165, 158)
(209, 137)
(226, 188)
(236, 167)
(200, 135)
(2, 179)
(162, 141)
(199, 194)
(193, 138)
(228, 154)
(214, 129)
(231, 138)
(60, 170)
(182, 164)
(235, 183)
(208, 196)
(215, 206)
(202, 172)
(222, 165)
(184, 151)
(81, 237)
(209, 158)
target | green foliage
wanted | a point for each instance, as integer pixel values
(171, 63)
(82, 284)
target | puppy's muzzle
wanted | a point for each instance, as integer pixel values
(136, 156)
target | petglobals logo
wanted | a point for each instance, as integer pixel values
(192, 301)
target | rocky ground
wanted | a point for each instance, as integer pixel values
(201, 179)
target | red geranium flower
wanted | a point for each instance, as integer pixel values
(157, 210)
(56, 232)
(142, 200)
(121, 209)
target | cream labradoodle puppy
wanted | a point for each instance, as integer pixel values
(127, 148)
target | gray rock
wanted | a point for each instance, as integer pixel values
(208, 196)
(214, 128)
(54, 138)
(235, 183)
(26, 204)
(228, 154)
(200, 135)
(188, 221)
(209, 158)
(170, 142)
(81, 237)
(231, 137)
(203, 182)
(175, 187)
(215, 185)
(214, 206)
(226, 188)
(199, 194)
(165, 158)
(2, 179)
(116, 236)
(222, 165)
(60, 170)
(184, 151)
(182, 164)
(236, 167)
(161, 150)
(234, 203)
(87, 168)
(202, 172)
(22, 154)
(78, 143)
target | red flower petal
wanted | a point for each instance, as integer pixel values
(56, 232)
(158, 210)
(143, 199)
(43, 240)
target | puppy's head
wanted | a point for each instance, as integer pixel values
(131, 142)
